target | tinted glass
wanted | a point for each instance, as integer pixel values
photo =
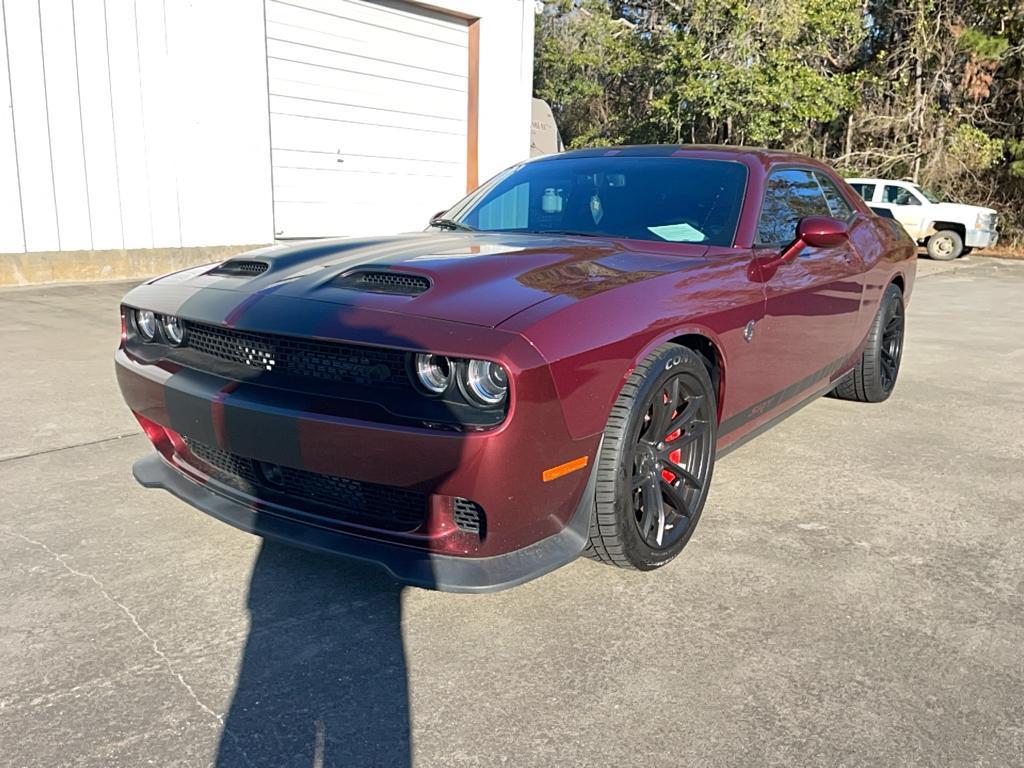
(668, 199)
(836, 202)
(899, 196)
(866, 191)
(791, 194)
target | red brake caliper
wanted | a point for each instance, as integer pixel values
(676, 455)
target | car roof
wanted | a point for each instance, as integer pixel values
(759, 154)
(864, 180)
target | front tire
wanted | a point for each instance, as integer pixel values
(945, 245)
(873, 379)
(656, 461)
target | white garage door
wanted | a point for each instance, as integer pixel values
(368, 115)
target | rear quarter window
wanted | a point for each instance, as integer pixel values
(837, 204)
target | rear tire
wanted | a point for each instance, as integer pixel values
(873, 379)
(656, 461)
(945, 245)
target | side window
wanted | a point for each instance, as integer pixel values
(790, 195)
(836, 202)
(866, 191)
(899, 196)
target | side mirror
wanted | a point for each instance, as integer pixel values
(437, 215)
(822, 231)
(813, 231)
(816, 232)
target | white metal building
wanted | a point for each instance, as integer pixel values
(138, 126)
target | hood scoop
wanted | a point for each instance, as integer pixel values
(383, 281)
(240, 268)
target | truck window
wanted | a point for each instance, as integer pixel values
(866, 191)
(899, 196)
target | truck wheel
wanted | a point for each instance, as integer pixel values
(656, 461)
(873, 379)
(945, 245)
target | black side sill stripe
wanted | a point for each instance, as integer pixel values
(737, 420)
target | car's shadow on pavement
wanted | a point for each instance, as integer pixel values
(322, 680)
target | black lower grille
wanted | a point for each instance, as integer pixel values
(301, 358)
(339, 498)
(227, 463)
(469, 516)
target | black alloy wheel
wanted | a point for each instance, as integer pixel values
(671, 461)
(892, 344)
(656, 461)
(874, 377)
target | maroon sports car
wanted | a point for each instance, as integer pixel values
(551, 369)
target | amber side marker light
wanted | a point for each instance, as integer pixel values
(564, 469)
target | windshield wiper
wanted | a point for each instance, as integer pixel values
(570, 232)
(452, 224)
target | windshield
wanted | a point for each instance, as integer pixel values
(930, 196)
(667, 199)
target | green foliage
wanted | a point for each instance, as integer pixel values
(1015, 151)
(733, 71)
(974, 148)
(981, 45)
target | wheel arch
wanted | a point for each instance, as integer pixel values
(699, 340)
(712, 356)
(938, 226)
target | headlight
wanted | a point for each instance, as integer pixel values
(485, 382)
(145, 324)
(174, 329)
(434, 372)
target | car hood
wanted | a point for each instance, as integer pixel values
(957, 210)
(470, 277)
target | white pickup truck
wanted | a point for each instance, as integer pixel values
(948, 230)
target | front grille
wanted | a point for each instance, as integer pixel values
(235, 466)
(383, 281)
(241, 267)
(469, 516)
(323, 361)
(339, 498)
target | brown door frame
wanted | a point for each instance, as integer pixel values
(473, 109)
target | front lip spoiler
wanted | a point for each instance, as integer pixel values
(414, 567)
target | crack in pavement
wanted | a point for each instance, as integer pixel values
(44, 451)
(62, 560)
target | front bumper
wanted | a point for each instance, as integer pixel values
(411, 566)
(532, 525)
(981, 238)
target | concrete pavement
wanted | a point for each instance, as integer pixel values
(853, 595)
